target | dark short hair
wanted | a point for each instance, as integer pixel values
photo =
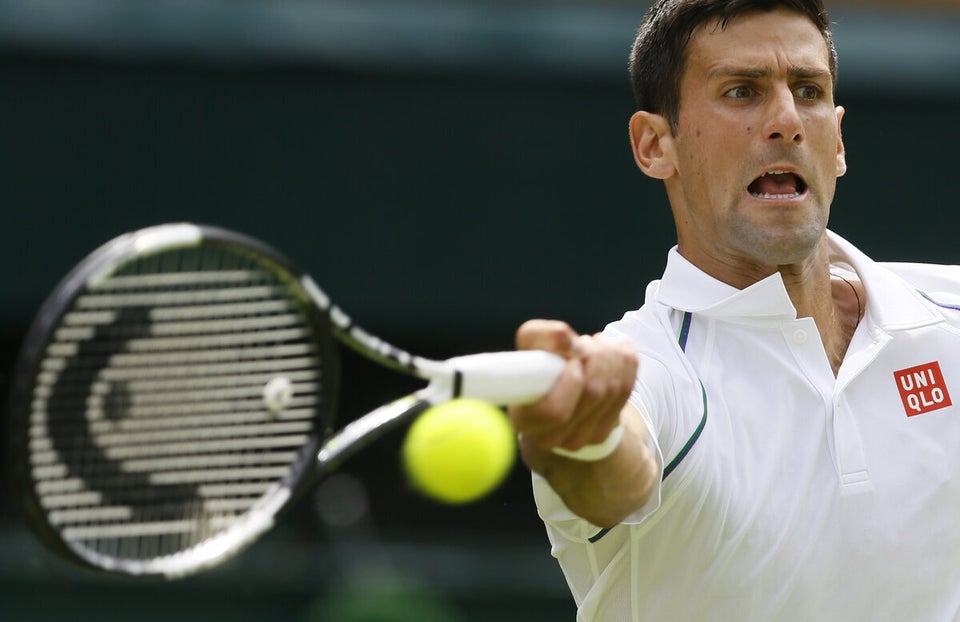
(659, 53)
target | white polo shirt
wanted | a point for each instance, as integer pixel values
(787, 493)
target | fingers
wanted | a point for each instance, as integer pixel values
(550, 335)
(547, 422)
(609, 370)
(585, 403)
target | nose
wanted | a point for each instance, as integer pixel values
(784, 122)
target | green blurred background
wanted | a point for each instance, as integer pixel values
(445, 170)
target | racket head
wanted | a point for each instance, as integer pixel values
(142, 441)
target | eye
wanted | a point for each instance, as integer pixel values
(740, 92)
(808, 92)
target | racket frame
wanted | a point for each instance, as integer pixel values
(97, 266)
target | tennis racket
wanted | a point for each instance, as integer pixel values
(177, 391)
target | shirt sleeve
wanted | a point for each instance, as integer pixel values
(555, 513)
(658, 400)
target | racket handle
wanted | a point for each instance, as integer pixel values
(503, 378)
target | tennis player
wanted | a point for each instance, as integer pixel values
(771, 436)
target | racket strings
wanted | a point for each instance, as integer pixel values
(149, 432)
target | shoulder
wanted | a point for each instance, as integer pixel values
(939, 284)
(654, 330)
(650, 326)
(667, 388)
(926, 275)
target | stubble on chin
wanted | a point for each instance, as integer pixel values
(779, 246)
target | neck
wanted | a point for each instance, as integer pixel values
(835, 302)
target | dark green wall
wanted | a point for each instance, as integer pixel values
(427, 204)
(439, 207)
(415, 199)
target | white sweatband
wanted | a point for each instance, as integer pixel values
(593, 453)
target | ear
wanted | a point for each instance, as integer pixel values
(652, 143)
(841, 151)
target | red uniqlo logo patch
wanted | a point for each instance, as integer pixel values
(922, 388)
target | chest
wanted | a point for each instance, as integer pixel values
(872, 455)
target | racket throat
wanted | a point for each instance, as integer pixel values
(360, 433)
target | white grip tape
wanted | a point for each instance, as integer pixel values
(593, 453)
(516, 377)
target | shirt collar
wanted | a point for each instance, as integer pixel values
(891, 301)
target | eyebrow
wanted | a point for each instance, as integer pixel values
(795, 71)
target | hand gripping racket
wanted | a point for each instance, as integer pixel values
(178, 389)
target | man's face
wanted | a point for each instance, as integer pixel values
(757, 147)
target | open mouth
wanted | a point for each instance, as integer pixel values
(777, 185)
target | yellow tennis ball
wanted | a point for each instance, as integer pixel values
(459, 451)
